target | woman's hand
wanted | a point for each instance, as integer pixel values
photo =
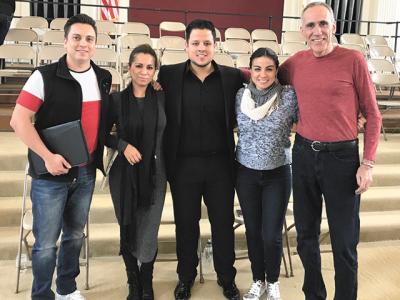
(132, 154)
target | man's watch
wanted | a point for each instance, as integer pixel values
(368, 163)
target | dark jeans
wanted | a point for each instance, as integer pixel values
(333, 176)
(263, 197)
(59, 206)
(5, 22)
(209, 178)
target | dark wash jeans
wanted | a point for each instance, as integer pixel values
(59, 206)
(263, 197)
(5, 22)
(330, 176)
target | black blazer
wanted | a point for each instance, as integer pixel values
(171, 80)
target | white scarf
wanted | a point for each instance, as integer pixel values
(248, 106)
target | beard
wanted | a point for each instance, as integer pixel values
(200, 65)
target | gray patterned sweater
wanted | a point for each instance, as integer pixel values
(265, 144)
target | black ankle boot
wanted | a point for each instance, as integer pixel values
(135, 288)
(146, 279)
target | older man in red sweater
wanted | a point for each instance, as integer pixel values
(332, 85)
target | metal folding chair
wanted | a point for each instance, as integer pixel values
(26, 229)
(239, 222)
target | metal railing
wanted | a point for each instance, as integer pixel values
(268, 19)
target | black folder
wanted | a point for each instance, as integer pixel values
(65, 139)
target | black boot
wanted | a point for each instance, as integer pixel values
(132, 271)
(135, 288)
(146, 279)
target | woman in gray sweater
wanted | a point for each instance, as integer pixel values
(266, 112)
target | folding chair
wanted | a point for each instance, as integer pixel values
(382, 51)
(218, 39)
(58, 23)
(104, 41)
(22, 36)
(173, 43)
(32, 22)
(135, 28)
(116, 81)
(356, 47)
(19, 60)
(26, 229)
(384, 75)
(233, 33)
(243, 61)
(263, 35)
(49, 54)
(293, 36)
(224, 59)
(236, 47)
(107, 27)
(172, 27)
(173, 57)
(290, 48)
(131, 41)
(106, 57)
(376, 40)
(352, 38)
(53, 37)
(282, 58)
(267, 44)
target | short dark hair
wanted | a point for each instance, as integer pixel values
(82, 19)
(265, 52)
(200, 24)
(145, 49)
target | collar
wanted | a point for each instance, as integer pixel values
(64, 71)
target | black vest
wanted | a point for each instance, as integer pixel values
(63, 103)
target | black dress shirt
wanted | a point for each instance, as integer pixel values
(203, 115)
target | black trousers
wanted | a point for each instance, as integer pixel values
(331, 174)
(209, 178)
(263, 197)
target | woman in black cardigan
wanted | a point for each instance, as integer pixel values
(137, 177)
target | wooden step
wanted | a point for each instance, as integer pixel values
(5, 116)
(104, 238)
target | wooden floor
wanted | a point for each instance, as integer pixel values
(379, 277)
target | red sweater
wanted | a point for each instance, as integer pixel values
(331, 91)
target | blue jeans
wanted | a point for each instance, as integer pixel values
(59, 206)
(263, 197)
(331, 174)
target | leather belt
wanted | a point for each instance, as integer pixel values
(327, 146)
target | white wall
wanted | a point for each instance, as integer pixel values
(293, 8)
(94, 12)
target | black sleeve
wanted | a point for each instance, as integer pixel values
(111, 137)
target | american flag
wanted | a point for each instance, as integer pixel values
(109, 13)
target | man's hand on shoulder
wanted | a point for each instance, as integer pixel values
(57, 165)
(156, 85)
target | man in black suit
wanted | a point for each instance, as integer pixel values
(199, 147)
